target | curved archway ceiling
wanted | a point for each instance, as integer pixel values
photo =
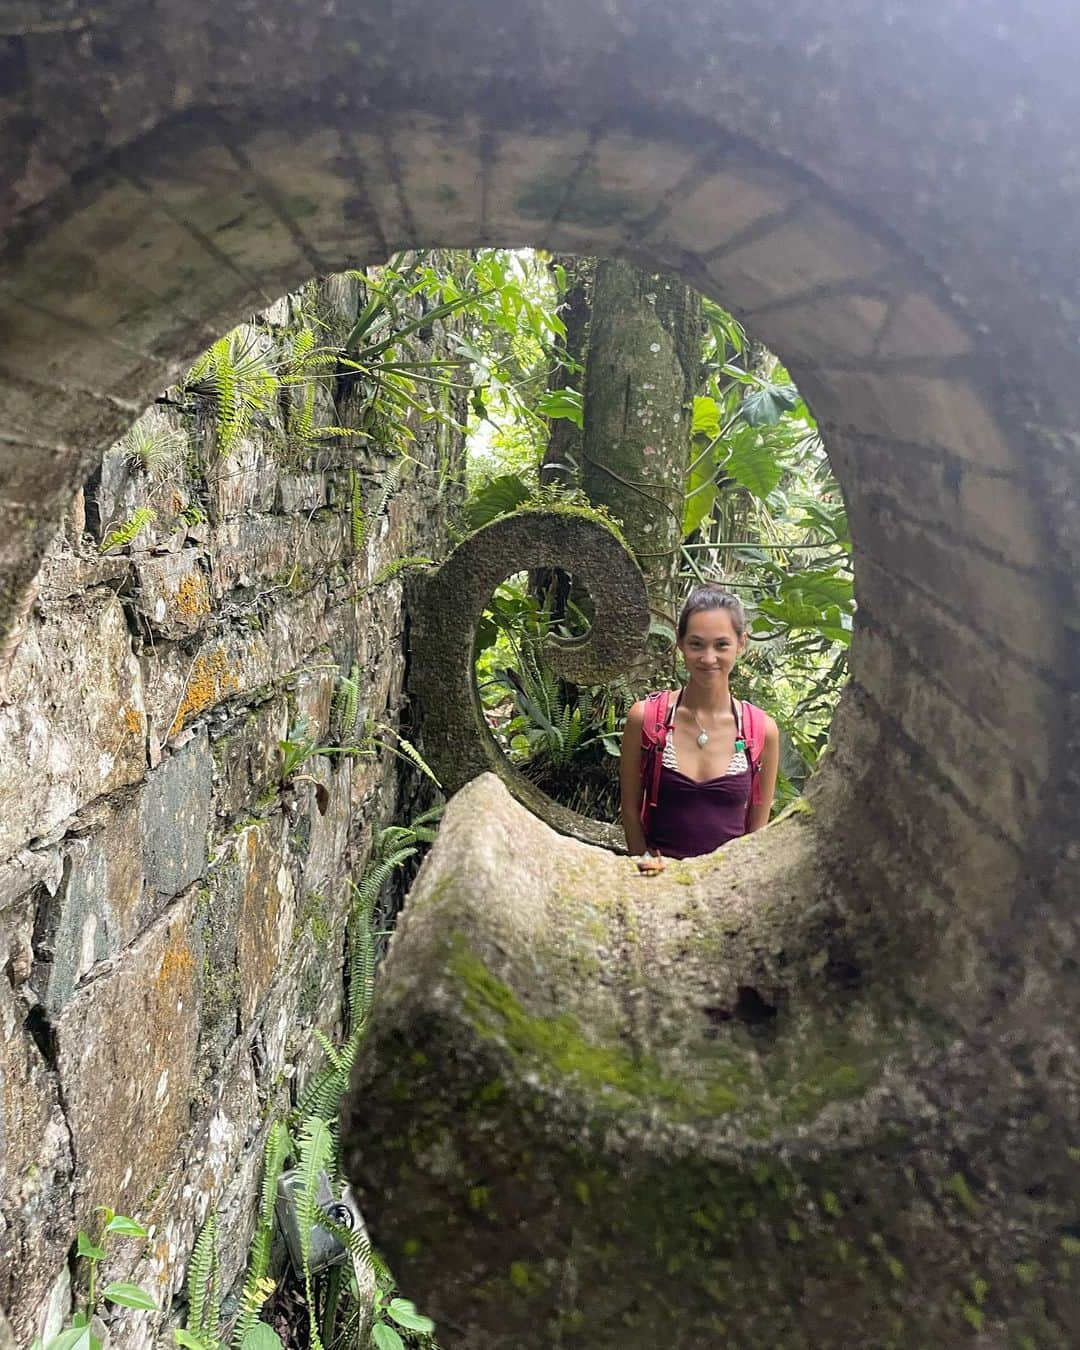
(885, 202)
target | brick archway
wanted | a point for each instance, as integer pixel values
(852, 185)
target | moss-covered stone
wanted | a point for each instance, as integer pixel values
(690, 1145)
(448, 603)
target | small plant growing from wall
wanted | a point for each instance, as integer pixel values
(337, 1310)
(81, 1335)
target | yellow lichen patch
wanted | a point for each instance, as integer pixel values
(192, 596)
(132, 720)
(210, 681)
(175, 961)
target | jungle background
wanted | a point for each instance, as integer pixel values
(566, 378)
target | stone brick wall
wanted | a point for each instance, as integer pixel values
(171, 921)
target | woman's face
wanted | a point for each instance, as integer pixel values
(711, 645)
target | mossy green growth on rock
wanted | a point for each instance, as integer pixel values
(557, 1049)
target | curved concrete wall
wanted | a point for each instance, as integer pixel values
(888, 196)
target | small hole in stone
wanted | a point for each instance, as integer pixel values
(43, 1035)
(752, 1008)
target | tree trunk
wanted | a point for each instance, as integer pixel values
(642, 373)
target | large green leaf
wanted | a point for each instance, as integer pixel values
(259, 1336)
(700, 492)
(754, 463)
(75, 1338)
(120, 1223)
(566, 403)
(820, 588)
(706, 418)
(404, 1313)
(765, 405)
(495, 498)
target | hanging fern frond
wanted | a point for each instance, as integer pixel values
(356, 505)
(395, 568)
(322, 1095)
(257, 1286)
(316, 1147)
(126, 533)
(407, 751)
(346, 709)
(389, 484)
(203, 1279)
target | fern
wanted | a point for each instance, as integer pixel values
(236, 375)
(124, 534)
(396, 567)
(347, 706)
(407, 751)
(203, 1281)
(356, 500)
(255, 1291)
(389, 484)
(316, 1147)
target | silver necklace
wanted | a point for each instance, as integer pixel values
(703, 735)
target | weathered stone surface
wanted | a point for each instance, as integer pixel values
(246, 756)
(281, 555)
(265, 931)
(237, 663)
(708, 1078)
(243, 479)
(173, 594)
(36, 1159)
(97, 907)
(125, 1052)
(254, 881)
(174, 816)
(447, 607)
(60, 748)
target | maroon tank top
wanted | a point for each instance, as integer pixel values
(694, 816)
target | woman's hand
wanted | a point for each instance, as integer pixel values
(650, 864)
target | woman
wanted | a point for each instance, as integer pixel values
(715, 777)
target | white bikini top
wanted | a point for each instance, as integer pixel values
(738, 763)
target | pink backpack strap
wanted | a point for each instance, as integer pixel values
(753, 730)
(653, 739)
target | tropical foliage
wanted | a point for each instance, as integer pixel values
(762, 514)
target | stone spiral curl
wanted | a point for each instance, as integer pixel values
(446, 607)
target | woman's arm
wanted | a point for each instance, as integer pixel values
(770, 762)
(630, 790)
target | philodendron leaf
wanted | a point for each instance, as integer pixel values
(495, 498)
(753, 464)
(765, 405)
(706, 417)
(566, 403)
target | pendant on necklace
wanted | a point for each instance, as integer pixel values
(703, 739)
